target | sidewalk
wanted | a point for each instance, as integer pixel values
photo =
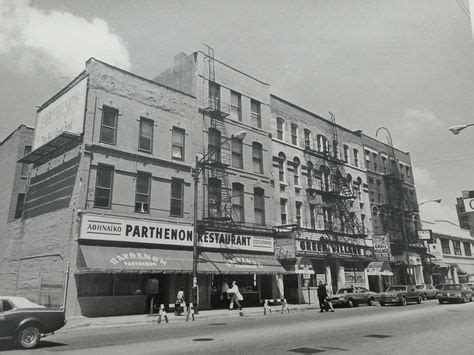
(137, 319)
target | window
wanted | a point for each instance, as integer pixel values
(374, 156)
(235, 106)
(214, 145)
(312, 212)
(108, 128)
(5, 306)
(283, 203)
(296, 171)
(367, 160)
(457, 247)
(177, 148)
(237, 150)
(20, 202)
(256, 114)
(24, 167)
(214, 96)
(445, 246)
(280, 123)
(307, 138)
(346, 153)
(335, 149)
(323, 144)
(310, 174)
(142, 193)
(145, 137)
(177, 193)
(214, 197)
(281, 167)
(384, 165)
(294, 134)
(257, 158)
(356, 157)
(259, 206)
(103, 187)
(298, 213)
(238, 202)
(467, 249)
(407, 171)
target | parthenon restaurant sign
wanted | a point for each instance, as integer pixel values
(154, 232)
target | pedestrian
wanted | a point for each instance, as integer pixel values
(322, 296)
(235, 296)
(180, 302)
(224, 294)
(329, 297)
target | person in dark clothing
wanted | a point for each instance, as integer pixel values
(322, 295)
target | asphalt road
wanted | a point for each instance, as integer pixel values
(428, 328)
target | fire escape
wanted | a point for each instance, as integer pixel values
(217, 204)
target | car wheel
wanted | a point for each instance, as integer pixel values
(419, 300)
(403, 302)
(29, 336)
(370, 301)
(425, 297)
(350, 303)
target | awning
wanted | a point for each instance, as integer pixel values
(233, 263)
(95, 259)
(299, 265)
(379, 268)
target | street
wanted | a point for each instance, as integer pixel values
(421, 329)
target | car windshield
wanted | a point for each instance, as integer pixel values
(345, 290)
(451, 287)
(420, 287)
(396, 288)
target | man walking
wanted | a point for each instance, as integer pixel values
(322, 295)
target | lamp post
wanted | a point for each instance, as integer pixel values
(437, 200)
(458, 128)
(197, 170)
(401, 203)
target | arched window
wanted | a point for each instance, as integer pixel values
(309, 168)
(323, 144)
(238, 215)
(281, 167)
(346, 153)
(280, 128)
(356, 157)
(296, 171)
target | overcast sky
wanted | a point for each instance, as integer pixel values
(403, 64)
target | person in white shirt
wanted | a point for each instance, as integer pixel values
(180, 302)
(235, 296)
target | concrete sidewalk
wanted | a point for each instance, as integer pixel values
(74, 323)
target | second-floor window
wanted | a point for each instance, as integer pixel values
(298, 213)
(145, 137)
(294, 134)
(257, 158)
(237, 150)
(356, 157)
(238, 202)
(24, 167)
(256, 113)
(346, 153)
(103, 187)
(177, 148)
(108, 128)
(177, 196)
(467, 249)
(283, 203)
(445, 246)
(142, 193)
(457, 247)
(280, 125)
(259, 206)
(214, 145)
(214, 197)
(235, 106)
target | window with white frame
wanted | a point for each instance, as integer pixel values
(445, 246)
(142, 193)
(177, 149)
(256, 113)
(145, 136)
(457, 247)
(108, 127)
(280, 128)
(283, 212)
(235, 106)
(294, 134)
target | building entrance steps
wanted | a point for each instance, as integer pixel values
(136, 319)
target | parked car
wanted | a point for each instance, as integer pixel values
(26, 322)
(454, 292)
(470, 285)
(401, 295)
(427, 291)
(353, 296)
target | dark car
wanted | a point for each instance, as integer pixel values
(401, 295)
(353, 296)
(427, 291)
(454, 292)
(26, 322)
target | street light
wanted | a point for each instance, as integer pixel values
(197, 170)
(458, 128)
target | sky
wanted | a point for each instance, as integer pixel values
(405, 65)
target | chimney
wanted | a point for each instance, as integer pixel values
(178, 58)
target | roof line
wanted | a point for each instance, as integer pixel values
(385, 144)
(139, 77)
(15, 130)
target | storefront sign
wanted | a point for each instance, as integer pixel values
(138, 231)
(382, 247)
(242, 262)
(65, 114)
(137, 259)
(469, 204)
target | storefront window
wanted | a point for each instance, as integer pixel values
(93, 285)
(127, 284)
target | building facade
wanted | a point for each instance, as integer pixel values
(465, 210)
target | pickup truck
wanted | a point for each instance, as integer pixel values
(26, 322)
